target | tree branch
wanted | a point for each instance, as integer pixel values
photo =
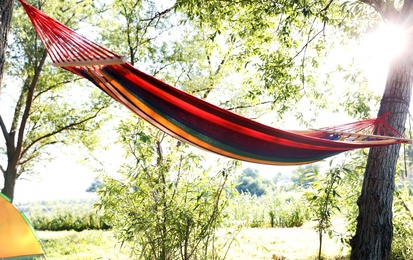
(4, 130)
(29, 101)
(39, 93)
(310, 39)
(30, 158)
(159, 15)
(308, 43)
(67, 127)
(3, 171)
(249, 106)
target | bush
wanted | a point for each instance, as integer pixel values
(403, 224)
(166, 206)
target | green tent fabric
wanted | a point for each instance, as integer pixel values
(18, 239)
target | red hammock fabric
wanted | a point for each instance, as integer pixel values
(193, 120)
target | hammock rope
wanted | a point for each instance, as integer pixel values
(65, 47)
(193, 120)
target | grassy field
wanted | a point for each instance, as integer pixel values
(250, 243)
(283, 243)
(87, 244)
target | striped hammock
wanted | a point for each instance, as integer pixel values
(193, 120)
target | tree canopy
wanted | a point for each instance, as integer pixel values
(251, 182)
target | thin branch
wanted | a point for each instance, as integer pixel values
(309, 40)
(67, 127)
(305, 51)
(159, 15)
(308, 43)
(4, 130)
(327, 6)
(29, 101)
(39, 93)
(23, 162)
(30, 158)
(249, 106)
(159, 69)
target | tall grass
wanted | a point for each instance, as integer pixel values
(64, 215)
(276, 210)
(244, 210)
(66, 220)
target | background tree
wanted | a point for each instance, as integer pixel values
(39, 115)
(95, 185)
(251, 182)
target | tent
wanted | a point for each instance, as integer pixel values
(18, 239)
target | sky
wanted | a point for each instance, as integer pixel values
(62, 179)
(66, 178)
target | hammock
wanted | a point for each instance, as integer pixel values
(193, 120)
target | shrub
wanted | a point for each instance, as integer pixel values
(403, 224)
(166, 206)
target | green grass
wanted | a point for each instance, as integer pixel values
(283, 243)
(250, 243)
(87, 244)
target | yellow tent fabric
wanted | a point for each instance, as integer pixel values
(18, 239)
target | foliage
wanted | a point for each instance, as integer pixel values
(324, 199)
(303, 176)
(138, 31)
(286, 47)
(68, 221)
(349, 191)
(350, 182)
(403, 222)
(166, 206)
(288, 212)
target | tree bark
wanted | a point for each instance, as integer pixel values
(6, 11)
(374, 232)
(9, 182)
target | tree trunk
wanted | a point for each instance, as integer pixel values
(10, 174)
(9, 183)
(6, 11)
(374, 232)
